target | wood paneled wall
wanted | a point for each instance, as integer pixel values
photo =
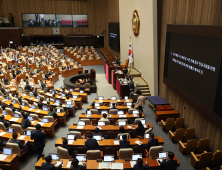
(96, 10)
(7, 35)
(199, 12)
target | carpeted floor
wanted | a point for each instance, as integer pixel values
(106, 90)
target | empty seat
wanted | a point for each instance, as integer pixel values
(202, 160)
(177, 136)
(168, 124)
(87, 88)
(87, 121)
(15, 149)
(77, 133)
(93, 154)
(94, 111)
(203, 145)
(217, 158)
(153, 152)
(188, 147)
(189, 134)
(125, 153)
(17, 128)
(77, 87)
(2, 126)
(63, 153)
(179, 123)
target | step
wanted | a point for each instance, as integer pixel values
(146, 94)
(143, 88)
(140, 82)
(134, 73)
(145, 91)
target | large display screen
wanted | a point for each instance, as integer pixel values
(114, 36)
(194, 65)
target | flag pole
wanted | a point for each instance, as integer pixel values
(131, 64)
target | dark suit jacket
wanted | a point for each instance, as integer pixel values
(131, 85)
(32, 73)
(48, 166)
(71, 152)
(79, 167)
(125, 71)
(27, 87)
(152, 142)
(23, 113)
(169, 164)
(43, 85)
(2, 90)
(47, 76)
(25, 123)
(38, 137)
(34, 93)
(137, 167)
(91, 144)
(18, 72)
(5, 123)
(38, 71)
(5, 80)
(13, 109)
(124, 144)
(140, 130)
(21, 146)
(53, 113)
(40, 104)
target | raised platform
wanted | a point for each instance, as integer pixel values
(69, 82)
(134, 73)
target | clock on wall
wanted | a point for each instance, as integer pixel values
(136, 23)
(56, 31)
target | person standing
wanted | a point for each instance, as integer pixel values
(38, 137)
(140, 102)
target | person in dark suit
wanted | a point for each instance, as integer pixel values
(75, 165)
(40, 104)
(121, 130)
(9, 67)
(91, 144)
(113, 106)
(52, 112)
(15, 140)
(169, 163)
(27, 86)
(125, 71)
(47, 75)
(42, 84)
(65, 145)
(2, 89)
(34, 92)
(20, 110)
(140, 129)
(2, 119)
(124, 143)
(38, 137)
(18, 72)
(93, 105)
(38, 70)
(98, 133)
(131, 85)
(139, 165)
(12, 107)
(68, 67)
(1, 72)
(5, 80)
(25, 122)
(13, 74)
(49, 166)
(152, 142)
(32, 73)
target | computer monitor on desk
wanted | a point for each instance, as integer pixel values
(109, 158)
(136, 156)
(162, 154)
(101, 123)
(55, 157)
(101, 98)
(7, 151)
(122, 123)
(81, 157)
(71, 137)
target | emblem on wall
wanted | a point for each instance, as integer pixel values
(136, 23)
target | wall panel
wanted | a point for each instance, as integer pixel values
(201, 12)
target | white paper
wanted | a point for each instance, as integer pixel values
(138, 142)
(135, 115)
(99, 127)
(118, 100)
(100, 100)
(145, 126)
(44, 102)
(132, 163)
(38, 111)
(14, 119)
(49, 94)
(58, 163)
(40, 123)
(1, 134)
(30, 110)
(104, 165)
(116, 142)
(80, 127)
(32, 122)
(98, 107)
(117, 166)
(70, 142)
(127, 100)
(2, 157)
(159, 160)
(88, 115)
(68, 164)
(130, 127)
(4, 100)
(22, 137)
(129, 107)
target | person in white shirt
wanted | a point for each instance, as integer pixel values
(104, 118)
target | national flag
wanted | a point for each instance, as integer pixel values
(130, 53)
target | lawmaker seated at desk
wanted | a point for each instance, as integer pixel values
(75, 165)
(152, 142)
(91, 144)
(97, 133)
(140, 129)
(124, 143)
(15, 140)
(104, 118)
(113, 106)
(2, 119)
(139, 165)
(52, 112)
(65, 146)
(25, 121)
(169, 163)
(49, 165)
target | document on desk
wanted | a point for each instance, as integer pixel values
(38, 111)
(33, 121)
(130, 127)
(21, 137)
(98, 107)
(117, 166)
(58, 163)
(145, 126)
(2, 157)
(104, 165)
(1, 134)
(116, 142)
(132, 163)
(80, 127)
(118, 100)
(70, 142)
(99, 127)
(128, 107)
(161, 160)
(138, 142)
(88, 115)
(68, 164)
(14, 119)
(135, 115)
(40, 123)
(101, 101)
(30, 110)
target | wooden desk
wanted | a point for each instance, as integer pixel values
(93, 164)
(163, 115)
(122, 89)
(112, 101)
(107, 145)
(125, 108)
(109, 130)
(91, 62)
(114, 76)
(37, 77)
(10, 163)
(54, 78)
(67, 73)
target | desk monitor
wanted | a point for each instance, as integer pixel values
(129, 104)
(63, 95)
(75, 97)
(162, 154)
(38, 97)
(135, 111)
(55, 157)
(136, 156)
(121, 137)
(30, 94)
(143, 121)
(71, 90)
(101, 98)
(62, 87)
(104, 112)
(7, 98)
(122, 123)
(97, 137)
(23, 104)
(58, 110)
(45, 120)
(71, 137)
(97, 104)
(113, 98)
(147, 136)
(16, 115)
(53, 92)
(109, 158)
(33, 106)
(10, 130)
(45, 108)
(81, 91)
(81, 157)
(88, 112)
(28, 132)
(69, 103)
(81, 123)
(111, 104)
(30, 118)
(57, 101)
(126, 98)
(101, 123)
(14, 101)
(4, 112)
(7, 151)
(120, 112)
(47, 99)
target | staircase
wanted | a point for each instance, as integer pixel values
(139, 83)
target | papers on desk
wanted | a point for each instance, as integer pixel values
(117, 166)
(58, 163)
(32, 122)
(88, 115)
(122, 115)
(118, 100)
(99, 127)
(128, 107)
(135, 115)
(38, 111)
(130, 127)
(138, 142)
(1, 134)
(2, 157)
(80, 127)
(145, 126)
(13, 89)
(58, 104)
(40, 123)
(159, 160)
(70, 142)
(4, 100)
(21, 137)
(132, 163)
(44, 102)
(49, 94)
(30, 110)
(100, 100)
(98, 107)
(68, 164)
(116, 142)
(127, 100)
(14, 119)
(104, 165)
